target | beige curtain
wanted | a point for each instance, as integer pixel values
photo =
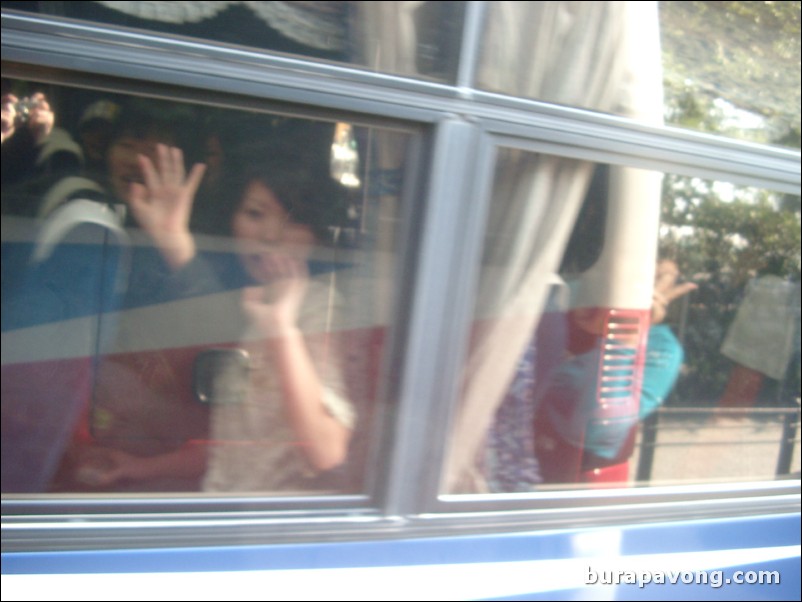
(518, 269)
(384, 40)
(598, 55)
(385, 34)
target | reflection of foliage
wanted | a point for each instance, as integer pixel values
(731, 57)
(722, 242)
(738, 236)
(731, 68)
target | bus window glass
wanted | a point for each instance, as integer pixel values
(737, 397)
(731, 68)
(599, 357)
(194, 298)
(416, 39)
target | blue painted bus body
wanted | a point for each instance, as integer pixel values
(701, 560)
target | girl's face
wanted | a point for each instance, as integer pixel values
(265, 232)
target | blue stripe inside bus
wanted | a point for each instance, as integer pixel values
(77, 282)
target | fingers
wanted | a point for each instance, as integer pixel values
(169, 173)
(679, 290)
(173, 170)
(150, 175)
(9, 114)
(42, 119)
(195, 177)
(9, 102)
(41, 107)
(281, 277)
(274, 267)
(168, 169)
(137, 199)
(41, 101)
(665, 285)
(171, 164)
(274, 307)
(666, 288)
(666, 275)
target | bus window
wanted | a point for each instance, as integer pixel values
(418, 39)
(599, 357)
(204, 309)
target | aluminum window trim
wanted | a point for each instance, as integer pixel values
(46, 42)
(437, 332)
(54, 533)
(471, 43)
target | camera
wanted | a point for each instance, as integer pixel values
(22, 110)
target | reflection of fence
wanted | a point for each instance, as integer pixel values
(674, 427)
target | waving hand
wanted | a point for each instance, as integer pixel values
(163, 204)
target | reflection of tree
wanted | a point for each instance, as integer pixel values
(735, 235)
(731, 68)
(723, 242)
(735, 60)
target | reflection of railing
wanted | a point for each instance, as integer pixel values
(788, 417)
